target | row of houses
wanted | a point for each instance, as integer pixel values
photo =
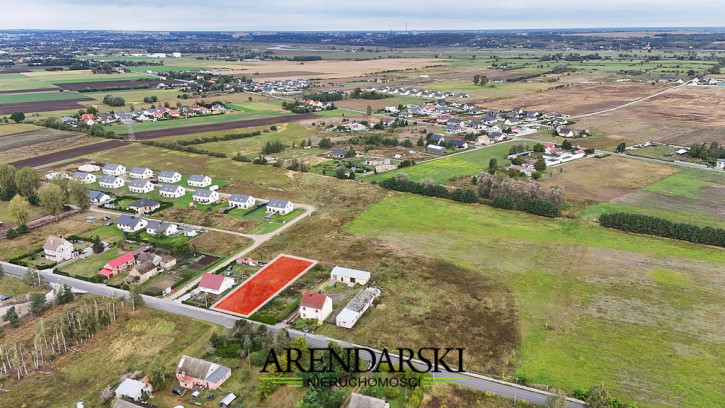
(421, 93)
(142, 115)
(279, 87)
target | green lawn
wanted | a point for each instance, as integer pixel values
(641, 314)
(38, 97)
(33, 211)
(11, 82)
(288, 133)
(462, 164)
(89, 267)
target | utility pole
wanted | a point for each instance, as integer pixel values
(131, 136)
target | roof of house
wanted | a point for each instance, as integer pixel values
(347, 315)
(338, 152)
(159, 226)
(436, 137)
(138, 170)
(277, 203)
(111, 166)
(202, 192)
(228, 399)
(122, 403)
(198, 368)
(108, 179)
(125, 258)
(144, 202)
(197, 177)
(169, 188)
(352, 273)
(211, 281)
(363, 298)
(138, 183)
(167, 173)
(145, 267)
(130, 387)
(128, 220)
(96, 195)
(313, 300)
(80, 174)
(366, 401)
(243, 198)
(52, 243)
(457, 143)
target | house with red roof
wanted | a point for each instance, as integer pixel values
(88, 119)
(117, 266)
(315, 306)
(215, 284)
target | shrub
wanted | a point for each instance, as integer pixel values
(23, 229)
(538, 206)
(503, 202)
(11, 234)
(644, 224)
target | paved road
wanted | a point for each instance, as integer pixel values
(471, 380)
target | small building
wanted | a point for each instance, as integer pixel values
(192, 372)
(315, 306)
(439, 150)
(172, 191)
(241, 201)
(349, 276)
(356, 307)
(215, 284)
(226, 402)
(720, 164)
(112, 169)
(57, 249)
(143, 271)
(132, 389)
(338, 153)
(190, 232)
(168, 176)
(144, 205)
(281, 207)
(458, 144)
(161, 228)
(141, 186)
(117, 266)
(111, 182)
(366, 401)
(197, 180)
(141, 173)
(436, 138)
(89, 168)
(204, 196)
(98, 197)
(85, 178)
(130, 223)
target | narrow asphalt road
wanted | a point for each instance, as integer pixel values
(471, 380)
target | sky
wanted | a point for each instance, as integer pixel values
(334, 15)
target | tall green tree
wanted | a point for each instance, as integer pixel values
(26, 181)
(19, 209)
(51, 199)
(11, 316)
(7, 182)
(540, 164)
(17, 117)
(492, 164)
(37, 303)
(78, 193)
(97, 245)
(65, 295)
(136, 296)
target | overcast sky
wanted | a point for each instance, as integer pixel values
(281, 15)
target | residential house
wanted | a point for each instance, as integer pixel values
(215, 284)
(204, 196)
(497, 136)
(130, 223)
(458, 144)
(69, 121)
(489, 120)
(98, 197)
(720, 164)
(443, 119)
(564, 131)
(144, 205)
(112, 169)
(482, 140)
(141, 186)
(356, 127)
(197, 180)
(171, 191)
(168, 176)
(349, 276)
(338, 153)
(106, 119)
(366, 401)
(85, 178)
(511, 121)
(190, 232)
(124, 117)
(143, 272)
(280, 207)
(117, 266)
(161, 228)
(315, 306)
(356, 307)
(132, 389)
(88, 118)
(435, 149)
(111, 182)
(436, 138)
(57, 249)
(241, 201)
(141, 173)
(192, 372)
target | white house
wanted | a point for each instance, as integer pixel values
(130, 223)
(281, 207)
(132, 389)
(440, 150)
(161, 228)
(197, 180)
(98, 197)
(85, 178)
(315, 306)
(144, 205)
(204, 196)
(171, 191)
(141, 186)
(215, 284)
(168, 176)
(349, 276)
(241, 201)
(57, 249)
(112, 169)
(356, 307)
(141, 173)
(720, 164)
(111, 182)
(89, 168)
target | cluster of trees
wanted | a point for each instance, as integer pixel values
(114, 100)
(480, 80)
(324, 97)
(298, 165)
(360, 94)
(710, 153)
(428, 187)
(325, 143)
(491, 186)
(177, 146)
(645, 224)
(273, 147)
(150, 99)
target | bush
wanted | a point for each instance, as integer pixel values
(538, 206)
(258, 358)
(11, 234)
(23, 229)
(506, 203)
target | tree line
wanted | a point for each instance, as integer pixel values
(428, 187)
(645, 224)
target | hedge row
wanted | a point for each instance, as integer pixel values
(645, 224)
(14, 233)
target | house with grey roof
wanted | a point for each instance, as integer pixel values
(111, 182)
(141, 173)
(194, 372)
(356, 307)
(85, 178)
(204, 196)
(168, 176)
(281, 207)
(198, 180)
(141, 186)
(338, 153)
(161, 228)
(171, 191)
(130, 223)
(98, 197)
(113, 169)
(349, 276)
(241, 201)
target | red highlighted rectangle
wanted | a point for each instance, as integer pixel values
(264, 285)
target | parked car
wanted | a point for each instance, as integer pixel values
(4, 298)
(177, 391)
(210, 397)
(108, 224)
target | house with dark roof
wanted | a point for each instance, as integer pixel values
(241, 201)
(112, 169)
(98, 197)
(143, 272)
(281, 207)
(85, 178)
(172, 191)
(130, 223)
(111, 182)
(315, 306)
(144, 205)
(338, 153)
(141, 173)
(198, 180)
(141, 186)
(204, 196)
(436, 138)
(161, 228)
(458, 144)
(168, 176)
(193, 372)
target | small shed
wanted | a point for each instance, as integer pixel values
(91, 220)
(227, 401)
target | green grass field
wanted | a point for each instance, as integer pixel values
(636, 312)
(287, 133)
(11, 82)
(38, 97)
(200, 120)
(459, 165)
(89, 267)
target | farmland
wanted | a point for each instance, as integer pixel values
(567, 331)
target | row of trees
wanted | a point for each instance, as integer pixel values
(710, 153)
(644, 224)
(428, 187)
(491, 186)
